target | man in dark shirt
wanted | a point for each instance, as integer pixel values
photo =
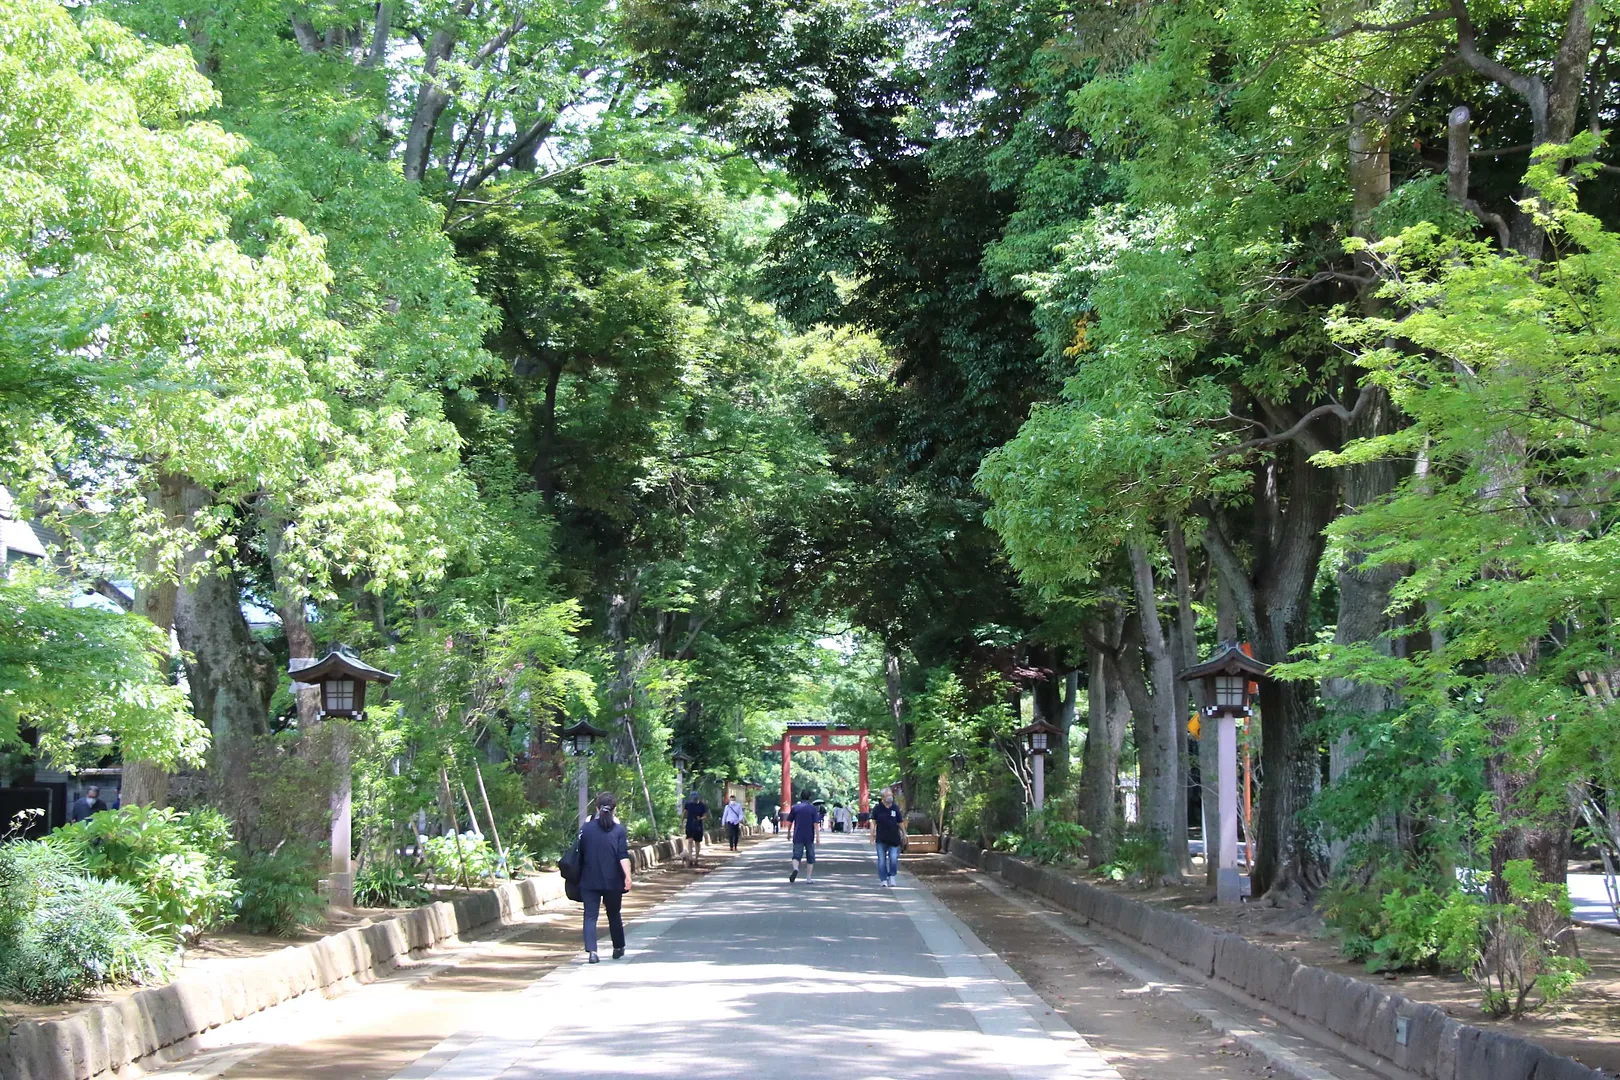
(87, 804)
(696, 810)
(888, 825)
(806, 820)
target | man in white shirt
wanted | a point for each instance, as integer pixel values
(732, 818)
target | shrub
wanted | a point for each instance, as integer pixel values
(1049, 839)
(1522, 945)
(1395, 920)
(544, 834)
(477, 855)
(79, 938)
(63, 934)
(388, 885)
(179, 864)
(279, 891)
(1138, 859)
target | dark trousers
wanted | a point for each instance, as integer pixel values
(611, 901)
(733, 834)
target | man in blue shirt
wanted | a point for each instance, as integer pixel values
(806, 830)
(888, 833)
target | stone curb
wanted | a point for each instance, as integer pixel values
(103, 1039)
(1437, 1047)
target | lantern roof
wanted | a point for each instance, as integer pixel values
(1229, 659)
(341, 664)
(1040, 727)
(582, 728)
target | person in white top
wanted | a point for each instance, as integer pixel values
(732, 818)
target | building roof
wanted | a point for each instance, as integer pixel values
(17, 535)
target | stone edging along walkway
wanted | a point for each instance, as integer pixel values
(1437, 1047)
(104, 1038)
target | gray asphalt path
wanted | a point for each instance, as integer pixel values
(1591, 899)
(744, 975)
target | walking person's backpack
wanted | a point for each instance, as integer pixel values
(569, 866)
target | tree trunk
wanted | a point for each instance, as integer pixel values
(232, 675)
(1106, 716)
(1184, 655)
(1290, 868)
(145, 783)
(1364, 595)
(1295, 502)
(432, 96)
(291, 598)
(897, 711)
(1160, 759)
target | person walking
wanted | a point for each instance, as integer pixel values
(696, 810)
(87, 804)
(887, 833)
(806, 819)
(604, 873)
(776, 820)
(732, 818)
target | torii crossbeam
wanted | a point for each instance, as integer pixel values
(823, 735)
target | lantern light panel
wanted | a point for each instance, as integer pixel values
(340, 695)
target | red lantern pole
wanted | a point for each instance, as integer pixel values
(866, 794)
(787, 772)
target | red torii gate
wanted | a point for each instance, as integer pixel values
(823, 734)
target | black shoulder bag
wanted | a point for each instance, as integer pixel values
(569, 866)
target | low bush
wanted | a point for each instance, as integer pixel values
(1049, 839)
(389, 885)
(1139, 858)
(80, 938)
(64, 934)
(1395, 919)
(543, 834)
(1525, 959)
(178, 863)
(278, 891)
(476, 855)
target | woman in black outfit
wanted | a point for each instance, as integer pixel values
(604, 873)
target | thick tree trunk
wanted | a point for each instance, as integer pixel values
(291, 598)
(892, 686)
(1364, 594)
(1295, 501)
(1071, 699)
(1183, 654)
(232, 675)
(1107, 714)
(1290, 868)
(1554, 104)
(1047, 693)
(145, 783)
(1160, 758)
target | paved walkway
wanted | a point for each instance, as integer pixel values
(1591, 899)
(744, 975)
